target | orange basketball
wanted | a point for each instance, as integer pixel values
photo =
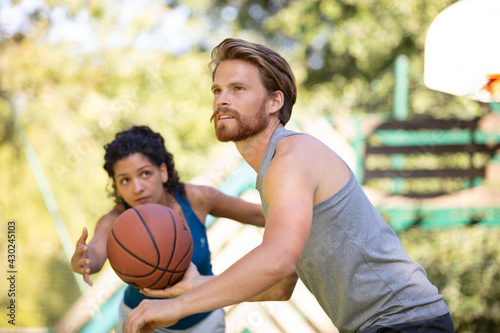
(150, 246)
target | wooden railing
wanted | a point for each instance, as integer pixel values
(428, 157)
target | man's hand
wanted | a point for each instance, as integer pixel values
(151, 314)
(80, 261)
(190, 280)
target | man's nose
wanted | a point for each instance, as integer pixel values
(223, 100)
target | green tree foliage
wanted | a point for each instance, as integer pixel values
(343, 50)
(70, 103)
(465, 266)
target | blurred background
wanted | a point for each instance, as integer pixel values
(73, 73)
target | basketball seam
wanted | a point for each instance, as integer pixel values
(158, 256)
(173, 251)
(180, 261)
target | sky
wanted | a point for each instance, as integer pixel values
(170, 35)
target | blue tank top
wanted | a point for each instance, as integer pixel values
(201, 258)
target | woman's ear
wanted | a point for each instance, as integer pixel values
(117, 191)
(163, 173)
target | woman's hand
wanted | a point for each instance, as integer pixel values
(80, 262)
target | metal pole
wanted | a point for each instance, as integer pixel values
(401, 87)
(45, 191)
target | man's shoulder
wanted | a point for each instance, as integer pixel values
(295, 143)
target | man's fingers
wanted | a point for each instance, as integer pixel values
(140, 319)
(158, 293)
(146, 329)
(151, 314)
(134, 320)
(190, 280)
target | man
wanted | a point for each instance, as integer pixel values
(319, 223)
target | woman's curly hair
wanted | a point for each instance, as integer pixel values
(141, 139)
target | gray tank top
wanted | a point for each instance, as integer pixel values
(354, 263)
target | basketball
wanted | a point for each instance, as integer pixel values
(150, 246)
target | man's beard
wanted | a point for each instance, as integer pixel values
(244, 127)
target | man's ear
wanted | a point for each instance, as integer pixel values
(277, 99)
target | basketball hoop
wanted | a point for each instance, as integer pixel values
(462, 50)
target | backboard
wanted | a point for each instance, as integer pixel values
(462, 50)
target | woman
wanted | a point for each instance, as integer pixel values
(142, 171)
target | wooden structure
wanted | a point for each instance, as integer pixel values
(421, 148)
(428, 172)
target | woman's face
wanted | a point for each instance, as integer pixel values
(138, 181)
